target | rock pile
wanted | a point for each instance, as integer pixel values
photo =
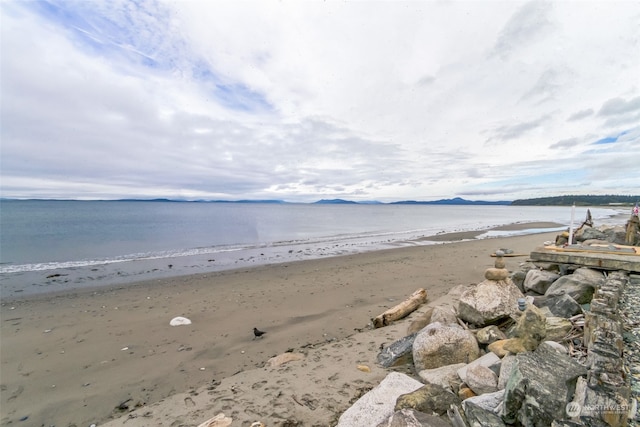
(631, 325)
(540, 347)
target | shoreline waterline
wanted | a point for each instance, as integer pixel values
(42, 282)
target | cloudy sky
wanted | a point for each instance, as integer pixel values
(320, 99)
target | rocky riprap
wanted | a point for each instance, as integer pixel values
(630, 314)
(557, 345)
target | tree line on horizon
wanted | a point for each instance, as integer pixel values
(587, 200)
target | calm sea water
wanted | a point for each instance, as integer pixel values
(49, 232)
(38, 236)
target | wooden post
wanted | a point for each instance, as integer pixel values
(573, 213)
(633, 226)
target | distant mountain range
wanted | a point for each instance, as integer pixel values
(609, 200)
(454, 201)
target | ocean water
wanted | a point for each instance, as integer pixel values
(101, 242)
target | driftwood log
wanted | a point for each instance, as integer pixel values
(401, 310)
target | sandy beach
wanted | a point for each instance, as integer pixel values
(71, 359)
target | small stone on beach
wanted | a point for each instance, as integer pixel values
(179, 321)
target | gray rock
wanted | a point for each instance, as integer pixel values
(506, 367)
(444, 376)
(481, 379)
(489, 360)
(413, 418)
(615, 234)
(377, 405)
(444, 314)
(580, 285)
(489, 302)
(489, 401)
(568, 423)
(438, 345)
(556, 346)
(478, 417)
(484, 410)
(398, 352)
(539, 281)
(592, 399)
(517, 277)
(559, 305)
(490, 334)
(589, 233)
(540, 386)
(429, 398)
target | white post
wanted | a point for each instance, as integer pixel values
(573, 214)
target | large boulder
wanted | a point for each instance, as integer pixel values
(444, 376)
(429, 398)
(590, 233)
(439, 345)
(616, 234)
(489, 302)
(481, 379)
(413, 418)
(377, 405)
(398, 352)
(489, 360)
(484, 410)
(506, 367)
(539, 281)
(580, 285)
(559, 305)
(444, 314)
(540, 385)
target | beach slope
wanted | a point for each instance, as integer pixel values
(94, 355)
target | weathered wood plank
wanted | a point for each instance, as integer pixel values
(597, 249)
(601, 260)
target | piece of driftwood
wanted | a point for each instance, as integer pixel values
(401, 310)
(509, 255)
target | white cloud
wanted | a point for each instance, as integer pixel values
(299, 101)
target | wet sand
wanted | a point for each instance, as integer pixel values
(71, 358)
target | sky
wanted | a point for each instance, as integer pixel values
(308, 100)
